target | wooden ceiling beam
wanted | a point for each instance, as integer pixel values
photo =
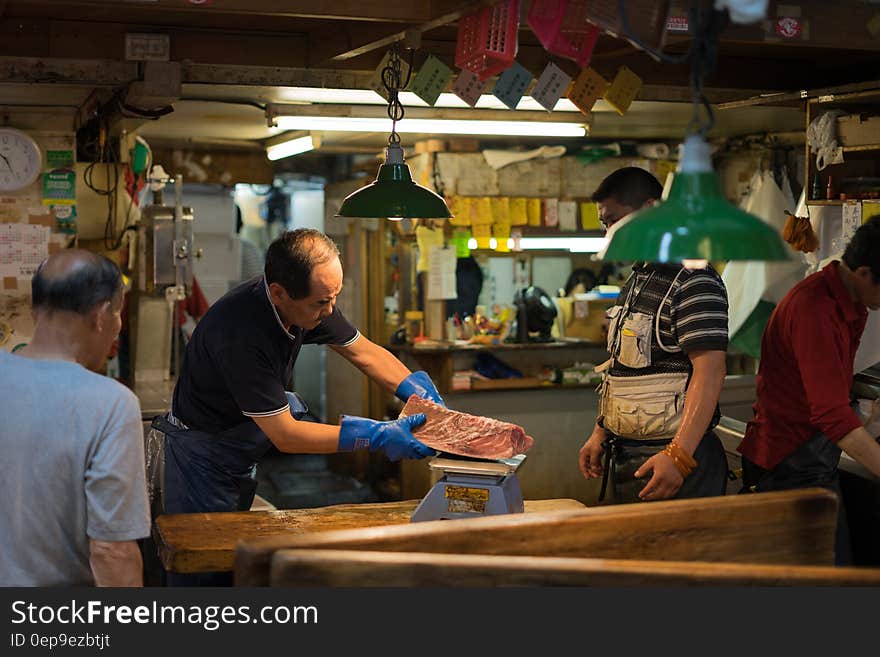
(410, 11)
(441, 20)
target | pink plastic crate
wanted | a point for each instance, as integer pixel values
(487, 39)
(562, 28)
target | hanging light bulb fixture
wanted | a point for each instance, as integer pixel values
(394, 195)
(696, 223)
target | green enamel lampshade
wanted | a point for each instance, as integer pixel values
(695, 222)
(394, 195)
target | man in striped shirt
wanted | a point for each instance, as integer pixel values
(683, 318)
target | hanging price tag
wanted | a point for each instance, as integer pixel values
(512, 84)
(550, 87)
(588, 87)
(468, 87)
(623, 90)
(431, 80)
(376, 79)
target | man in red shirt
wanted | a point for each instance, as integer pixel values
(803, 418)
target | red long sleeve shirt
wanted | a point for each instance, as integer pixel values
(806, 369)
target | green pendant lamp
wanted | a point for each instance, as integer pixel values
(393, 194)
(695, 222)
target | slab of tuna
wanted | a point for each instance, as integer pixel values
(466, 435)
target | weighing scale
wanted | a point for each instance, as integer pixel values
(471, 488)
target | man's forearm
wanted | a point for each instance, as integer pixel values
(297, 436)
(116, 563)
(376, 362)
(862, 446)
(701, 399)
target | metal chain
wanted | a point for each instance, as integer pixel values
(391, 80)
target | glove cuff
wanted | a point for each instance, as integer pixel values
(416, 383)
(354, 433)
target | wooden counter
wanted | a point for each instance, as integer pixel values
(205, 542)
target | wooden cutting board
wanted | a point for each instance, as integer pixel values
(205, 542)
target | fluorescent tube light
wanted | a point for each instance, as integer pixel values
(409, 99)
(290, 147)
(573, 244)
(434, 126)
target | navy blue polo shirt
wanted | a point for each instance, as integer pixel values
(240, 359)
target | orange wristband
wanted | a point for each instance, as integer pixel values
(683, 461)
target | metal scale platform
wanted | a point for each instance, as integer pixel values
(471, 488)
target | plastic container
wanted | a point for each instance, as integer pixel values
(562, 28)
(487, 39)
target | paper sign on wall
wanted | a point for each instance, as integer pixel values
(431, 80)
(427, 239)
(567, 212)
(852, 219)
(551, 212)
(22, 248)
(550, 86)
(468, 87)
(441, 274)
(533, 211)
(460, 207)
(590, 216)
(518, 213)
(512, 85)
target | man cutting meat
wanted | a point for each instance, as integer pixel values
(230, 403)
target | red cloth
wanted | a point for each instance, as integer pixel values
(195, 305)
(806, 369)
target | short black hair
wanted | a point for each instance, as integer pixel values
(632, 186)
(581, 275)
(292, 257)
(863, 249)
(89, 279)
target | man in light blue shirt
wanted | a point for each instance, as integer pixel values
(72, 474)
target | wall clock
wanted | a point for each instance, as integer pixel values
(20, 160)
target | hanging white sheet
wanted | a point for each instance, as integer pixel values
(748, 282)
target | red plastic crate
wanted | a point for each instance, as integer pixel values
(562, 28)
(487, 39)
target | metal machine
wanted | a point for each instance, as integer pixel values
(471, 488)
(163, 271)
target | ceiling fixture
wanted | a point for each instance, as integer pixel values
(290, 147)
(393, 194)
(695, 222)
(322, 96)
(435, 126)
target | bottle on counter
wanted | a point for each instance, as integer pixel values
(829, 190)
(817, 190)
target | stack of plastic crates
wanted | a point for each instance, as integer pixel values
(562, 28)
(487, 39)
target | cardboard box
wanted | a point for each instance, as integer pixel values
(585, 318)
(858, 130)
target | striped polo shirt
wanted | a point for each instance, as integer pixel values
(693, 316)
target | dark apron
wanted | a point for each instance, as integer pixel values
(814, 463)
(208, 472)
(624, 456)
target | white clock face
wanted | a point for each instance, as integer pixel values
(20, 160)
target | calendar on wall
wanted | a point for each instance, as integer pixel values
(22, 248)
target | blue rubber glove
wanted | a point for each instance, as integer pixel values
(394, 438)
(419, 384)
